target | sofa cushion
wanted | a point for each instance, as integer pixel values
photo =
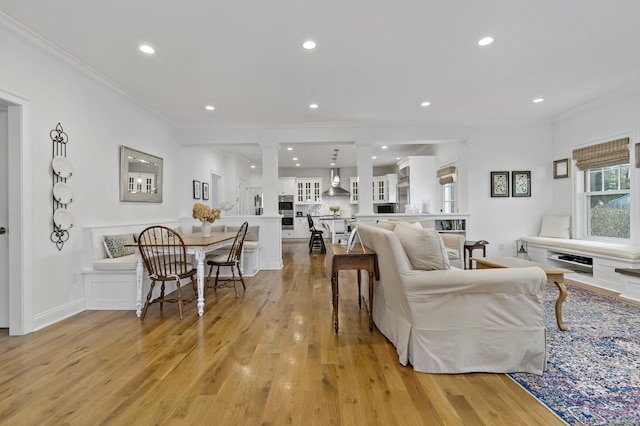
(424, 247)
(555, 227)
(115, 245)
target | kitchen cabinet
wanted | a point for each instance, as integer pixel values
(308, 191)
(286, 186)
(421, 184)
(302, 227)
(385, 188)
(353, 190)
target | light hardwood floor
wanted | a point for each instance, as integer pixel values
(270, 357)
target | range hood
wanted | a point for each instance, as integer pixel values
(335, 190)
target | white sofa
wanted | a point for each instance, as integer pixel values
(454, 320)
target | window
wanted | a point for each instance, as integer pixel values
(447, 178)
(448, 197)
(607, 207)
(605, 210)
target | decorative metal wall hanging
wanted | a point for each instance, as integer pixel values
(62, 194)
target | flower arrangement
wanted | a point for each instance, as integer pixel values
(205, 213)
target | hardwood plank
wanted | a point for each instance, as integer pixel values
(270, 356)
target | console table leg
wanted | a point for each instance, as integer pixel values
(334, 291)
(562, 294)
(370, 301)
(359, 287)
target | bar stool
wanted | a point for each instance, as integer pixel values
(470, 246)
(316, 239)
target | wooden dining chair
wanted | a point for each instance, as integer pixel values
(165, 258)
(231, 259)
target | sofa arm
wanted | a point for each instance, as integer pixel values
(500, 280)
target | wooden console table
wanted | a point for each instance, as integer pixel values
(357, 260)
(554, 275)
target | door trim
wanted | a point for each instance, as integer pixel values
(20, 213)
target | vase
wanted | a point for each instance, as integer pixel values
(206, 229)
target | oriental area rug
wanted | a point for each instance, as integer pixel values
(593, 368)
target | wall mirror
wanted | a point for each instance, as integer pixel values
(140, 176)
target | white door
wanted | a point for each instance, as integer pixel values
(4, 216)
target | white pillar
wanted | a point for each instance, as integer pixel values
(364, 164)
(270, 221)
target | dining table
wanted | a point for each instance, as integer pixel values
(195, 244)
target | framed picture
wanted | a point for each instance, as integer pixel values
(205, 191)
(561, 168)
(196, 189)
(521, 184)
(499, 184)
(351, 242)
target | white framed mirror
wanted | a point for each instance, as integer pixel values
(140, 176)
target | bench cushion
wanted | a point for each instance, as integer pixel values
(596, 248)
(116, 264)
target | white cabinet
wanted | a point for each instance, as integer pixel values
(302, 227)
(308, 191)
(423, 184)
(288, 233)
(353, 193)
(385, 188)
(286, 186)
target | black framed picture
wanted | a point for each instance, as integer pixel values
(499, 184)
(196, 189)
(521, 184)
(205, 191)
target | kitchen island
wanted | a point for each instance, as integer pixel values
(337, 227)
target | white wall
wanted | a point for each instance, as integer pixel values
(508, 147)
(604, 119)
(97, 119)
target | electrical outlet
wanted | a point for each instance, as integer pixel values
(501, 246)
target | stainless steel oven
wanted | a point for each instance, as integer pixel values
(285, 208)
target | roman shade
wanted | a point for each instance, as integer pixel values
(447, 175)
(602, 154)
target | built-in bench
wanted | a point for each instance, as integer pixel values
(596, 263)
(110, 283)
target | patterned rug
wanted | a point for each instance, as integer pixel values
(593, 368)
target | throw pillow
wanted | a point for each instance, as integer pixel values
(386, 224)
(424, 247)
(555, 227)
(115, 245)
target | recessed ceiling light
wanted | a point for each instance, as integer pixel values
(425, 103)
(313, 106)
(253, 166)
(397, 158)
(297, 164)
(210, 107)
(333, 164)
(147, 49)
(294, 159)
(374, 157)
(290, 149)
(485, 41)
(538, 100)
(384, 147)
(309, 44)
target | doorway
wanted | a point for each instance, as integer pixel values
(16, 205)
(4, 215)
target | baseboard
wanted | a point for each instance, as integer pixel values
(58, 314)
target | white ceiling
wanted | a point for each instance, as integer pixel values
(376, 60)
